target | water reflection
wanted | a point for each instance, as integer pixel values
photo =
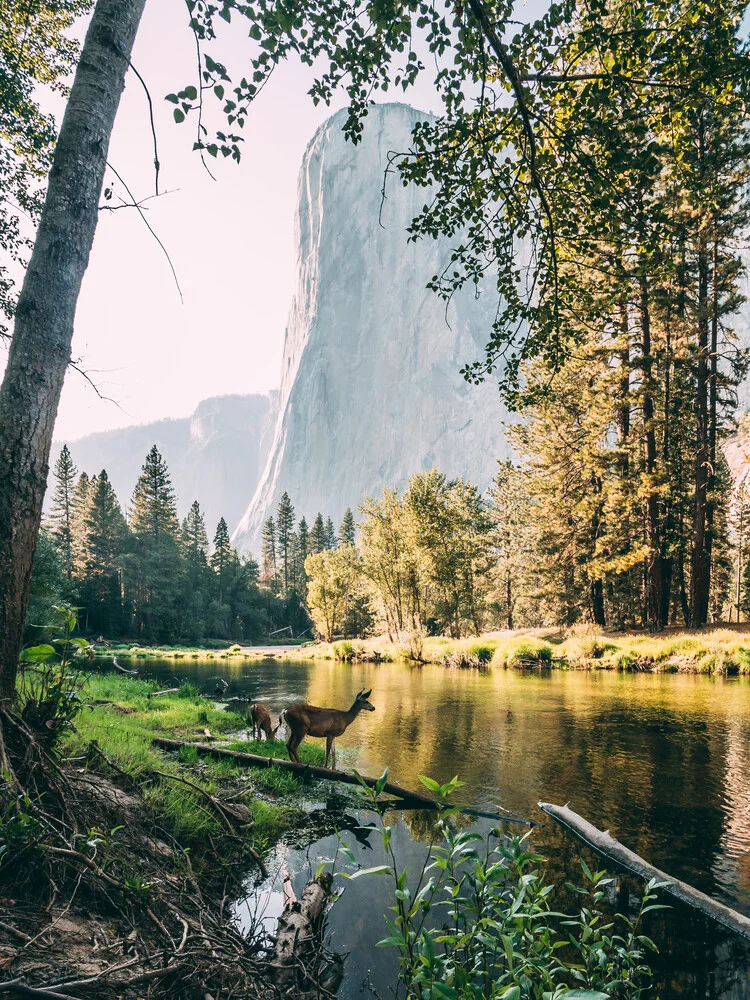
(661, 761)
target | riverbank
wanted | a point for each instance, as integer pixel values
(122, 876)
(721, 650)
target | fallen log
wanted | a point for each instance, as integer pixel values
(158, 694)
(605, 844)
(322, 773)
(298, 929)
(129, 673)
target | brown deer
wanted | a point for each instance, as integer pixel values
(260, 721)
(307, 720)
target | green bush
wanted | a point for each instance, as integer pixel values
(498, 930)
(189, 691)
(343, 651)
(188, 755)
(483, 651)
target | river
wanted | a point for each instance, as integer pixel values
(662, 761)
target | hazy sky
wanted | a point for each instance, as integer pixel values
(231, 242)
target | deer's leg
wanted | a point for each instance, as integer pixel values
(329, 744)
(333, 748)
(292, 743)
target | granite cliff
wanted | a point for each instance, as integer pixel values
(371, 390)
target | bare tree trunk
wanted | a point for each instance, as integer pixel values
(652, 568)
(700, 570)
(40, 350)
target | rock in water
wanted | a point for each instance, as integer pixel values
(371, 390)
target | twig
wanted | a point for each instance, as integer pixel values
(15, 931)
(148, 226)
(153, 128)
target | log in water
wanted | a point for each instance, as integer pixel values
(325, 774)
(605, 844)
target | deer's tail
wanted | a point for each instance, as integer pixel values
(281, 722)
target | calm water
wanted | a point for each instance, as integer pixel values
(661, 761)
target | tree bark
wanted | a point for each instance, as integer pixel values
(700, 572)
(299, 930)
(652, 568)
(40, 349)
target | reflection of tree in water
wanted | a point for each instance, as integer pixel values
(422, 824)
(657, 779)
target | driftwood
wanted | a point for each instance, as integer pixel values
(299, 929)
(129, 673)
(606, 845)
(414, 799)
(158, 694)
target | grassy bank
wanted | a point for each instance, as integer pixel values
(217, 651)
(121, 718)
(720, 650)
(123, 860)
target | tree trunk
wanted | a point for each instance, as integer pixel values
(652, 568)
(40, 349)
(596, 590)
(700, 571)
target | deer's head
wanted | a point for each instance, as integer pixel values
(361, 701)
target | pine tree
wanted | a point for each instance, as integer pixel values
(155, 565)
(61, 518)
(284, 531)
(79, 510)
(153, 511)
(317, 540)
(194, 538)
(303, 550)
(221, 557)
(330, 535)
(348, 529)
(105, 529)
(270, 570)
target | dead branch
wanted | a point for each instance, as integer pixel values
(606, 845)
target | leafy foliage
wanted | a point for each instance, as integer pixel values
(481, 923)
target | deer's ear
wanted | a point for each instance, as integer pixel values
(366, 694)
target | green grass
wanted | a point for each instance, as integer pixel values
(122, 719)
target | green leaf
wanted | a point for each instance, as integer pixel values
(178, 116)
(442, 992)
(429, 783)
(381, 782)
(191, 93)
(37, 654)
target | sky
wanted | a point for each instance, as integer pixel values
(231, 242)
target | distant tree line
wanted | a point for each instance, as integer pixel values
(143, 575)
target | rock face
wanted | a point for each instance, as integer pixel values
(215, 456)
(371, 390)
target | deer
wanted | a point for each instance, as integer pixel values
(260, 721)
(307, 720)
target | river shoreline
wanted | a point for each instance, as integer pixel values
(722, 650)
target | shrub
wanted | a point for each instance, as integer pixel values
(523, 653)
(497, 931)
(343, 651)
(189, 691)
(188, 755)
(482, 651)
